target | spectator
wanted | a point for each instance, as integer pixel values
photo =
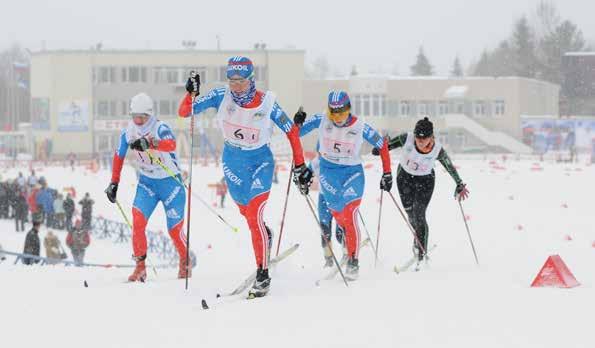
(20, 211)
(78, 240)
(36, 214)
(222, 191)
(32, 245)
(68, 212)
(21, 181)
(53, 249)
(2, 257)
(87, 211)
(72, 159)
(32, 181)
(59, 212)
(45, 201)
(4, 200)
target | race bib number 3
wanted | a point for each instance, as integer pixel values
(241, 133)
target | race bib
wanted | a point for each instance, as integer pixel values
(339, 149)
(241, 133)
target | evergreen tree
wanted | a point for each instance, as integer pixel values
(502, 60)
(457, 69)
(482, 68)
(566, 37)
(422, 66)
(523, 48)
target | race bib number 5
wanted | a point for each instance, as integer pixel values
(241, 133)
(339, 148)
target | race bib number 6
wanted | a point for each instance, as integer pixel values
(240, 133)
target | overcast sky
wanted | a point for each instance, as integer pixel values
(371, 34)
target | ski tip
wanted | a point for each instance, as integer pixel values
(204, 304)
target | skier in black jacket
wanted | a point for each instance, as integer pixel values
(416, 177)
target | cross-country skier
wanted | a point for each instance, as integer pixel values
(340, 137)
(151, 140)
(246, 117)
(416, 177)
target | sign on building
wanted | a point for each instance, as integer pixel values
(73, 116)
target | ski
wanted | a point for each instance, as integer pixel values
(246, 283)
(332, 273)
(410, 262)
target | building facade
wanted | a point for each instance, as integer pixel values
(80, 98)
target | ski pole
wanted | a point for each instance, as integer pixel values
(328, 243)
(171, 173)
(468, 233)
(417, 241)
(366, 229)
(378, 230)
(284, 210)
(189, 188)
(130, 226)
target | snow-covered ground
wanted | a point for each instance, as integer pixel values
(518, 216)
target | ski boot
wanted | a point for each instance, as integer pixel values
(183, 271)
(261, 285)
(140, 271)
(352, 270)
(421, 258)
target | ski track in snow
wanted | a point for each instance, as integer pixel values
(517, 218)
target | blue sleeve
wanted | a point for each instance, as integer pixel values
(211, 100)
(164, 132)
(311, 124)
(372, 136)
(280, 118)
(123, 146)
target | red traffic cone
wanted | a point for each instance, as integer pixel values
(555, 273)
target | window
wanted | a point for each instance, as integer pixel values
(393, 108)
(442, 107)
(499, 107)
(479, 108)
(222, 73)
(106, 74)
(375, 104)
(112, 108)
(383, 105)
(460, 107)
(133, 74)
(164, 107)
(124, 74)
(366, 105)
(357, 104)
(260, 73)
(125, 107)
(424, 108)
(171, 75)
(405, 108)
(102, 108)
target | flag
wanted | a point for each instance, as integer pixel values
(21, 72)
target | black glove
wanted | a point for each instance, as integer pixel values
(376, 151)
(302, 177)
(193, 83)
(111, 192)
(300, 117)
(461, 192)
(140, 144)
(386, 182)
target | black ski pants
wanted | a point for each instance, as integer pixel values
(416, 192)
